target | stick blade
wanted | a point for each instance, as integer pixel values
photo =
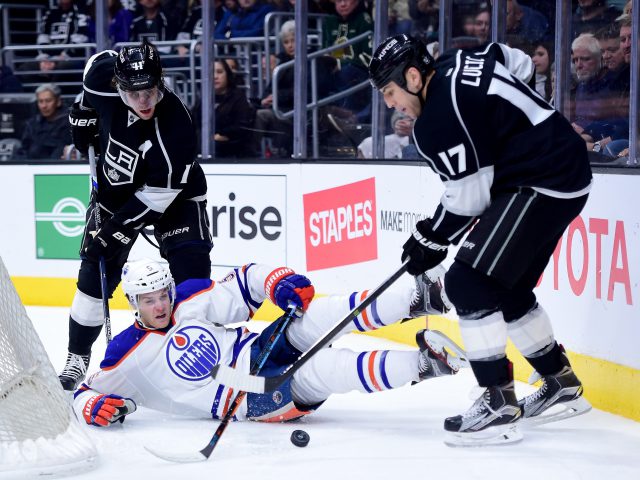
(177, 457)
(237, 380)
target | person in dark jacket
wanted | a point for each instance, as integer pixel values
(234, 114)
(267, 123)
(247, 21)
(47, 133)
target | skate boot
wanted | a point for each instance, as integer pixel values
(491, 420)
(429, 297)
(74, 371)
(435, 360)
(563, 390)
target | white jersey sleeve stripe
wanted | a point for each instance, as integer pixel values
(534, 112)
(164, 152)
(454, 102)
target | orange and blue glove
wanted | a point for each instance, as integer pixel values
(284, 286)
(104, 410)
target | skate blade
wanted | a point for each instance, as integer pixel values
(498, 435)
(438, 342)
(573, 408)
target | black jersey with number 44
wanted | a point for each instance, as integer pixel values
(145, 164)
(484, 131)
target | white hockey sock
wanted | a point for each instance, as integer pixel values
(531, 332)
(484, 338)
(324, 312)
(87, 310)
(335, 370)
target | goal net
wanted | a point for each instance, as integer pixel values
(39, 433)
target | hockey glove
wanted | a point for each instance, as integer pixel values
(104, 410)
(84, 128)
(108, 241)
(424, 249)
(284, 286)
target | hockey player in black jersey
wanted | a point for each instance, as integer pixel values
(147, 175)
(515, 171)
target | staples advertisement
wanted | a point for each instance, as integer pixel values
(340, 225)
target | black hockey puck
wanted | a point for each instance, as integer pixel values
(300, 438)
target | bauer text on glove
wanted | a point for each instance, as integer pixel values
(84, 128)
(424, 248)
(284, 285)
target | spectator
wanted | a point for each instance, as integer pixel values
(266, 120)
(612, 52)
(394, 143)
(234, 115)
(247, 21)
(47, 133)
(120, 20)
(482, 26)
(192, 26)
(543, 59)
(619, 144)
(526, 22)
(599, 112)
(425, 17)
(152, 25)
(64, 25)
(399, 17)
(350, 20)
(591, 16)
(176, 11)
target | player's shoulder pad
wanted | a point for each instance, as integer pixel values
(97, 58)
(121, 345)
(191, 287)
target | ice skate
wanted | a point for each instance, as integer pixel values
(491, 420)
(435, 361)
(559, 397)
(74, 371)
(429, 297)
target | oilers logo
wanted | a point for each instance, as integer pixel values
(192, 352)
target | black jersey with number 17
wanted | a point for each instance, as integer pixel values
(484, 131)
(146, 164)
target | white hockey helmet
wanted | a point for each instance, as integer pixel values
(146, 276)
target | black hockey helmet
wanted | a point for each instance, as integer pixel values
(394, 56)
(138, 68)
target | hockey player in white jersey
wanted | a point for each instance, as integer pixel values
(515, 171)
(164, 359)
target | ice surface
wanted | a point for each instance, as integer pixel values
(395, 434)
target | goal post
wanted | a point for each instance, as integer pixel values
(39, 433)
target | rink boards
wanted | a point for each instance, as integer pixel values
(344, 224)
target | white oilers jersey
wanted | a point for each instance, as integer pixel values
(145, 164)
(484, 131)
(168, 370)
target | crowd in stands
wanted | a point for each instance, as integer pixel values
(600, 63)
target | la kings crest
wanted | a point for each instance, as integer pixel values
(120, 163)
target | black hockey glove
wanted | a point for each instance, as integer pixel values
(108, 241)
(424, 249)
(84, 128)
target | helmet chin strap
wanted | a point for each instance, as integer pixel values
(418, 94)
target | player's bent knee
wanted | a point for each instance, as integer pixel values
(470, 291)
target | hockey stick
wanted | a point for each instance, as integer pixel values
(205, 453)
(101, 263)
(256, 384)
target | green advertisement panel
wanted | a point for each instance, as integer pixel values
(60, 204)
